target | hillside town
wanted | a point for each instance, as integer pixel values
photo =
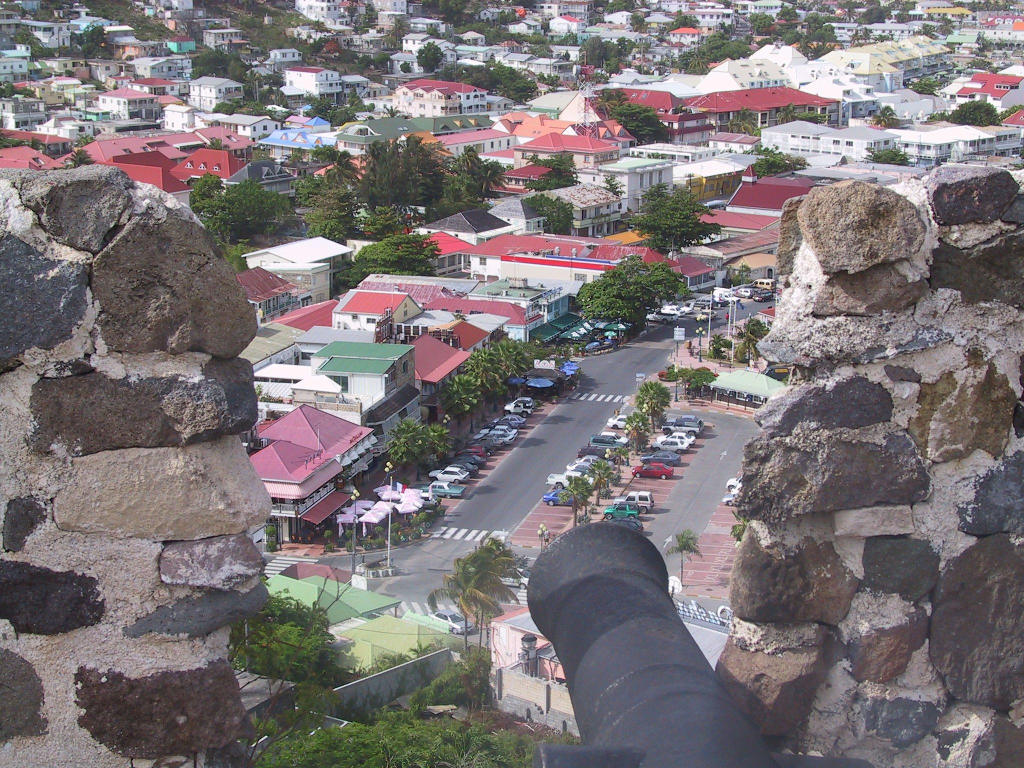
(511, 270)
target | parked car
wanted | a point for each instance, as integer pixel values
(520, 406)
(660, 471)
(582, 464)
(556, 499)
(593, 346)
(664, 457)
(441, 489)
(632, 523)
(616, 422)
(450, 474)
(598, 451)
(475, 458)
(467, 464)
(457, 624)
(609, 439)
(684, 423)
(517, 580)
(733, 484)
(657, 317)
(477, 449)
(512, 420)
(621, 509)
(643, 499)
(559, 480)
(729, 499)
(744, 291)
(677, 442)
(761, 295)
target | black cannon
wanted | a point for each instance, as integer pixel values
(642, 691)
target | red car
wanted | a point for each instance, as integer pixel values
(653, 469)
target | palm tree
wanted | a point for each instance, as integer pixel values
(619, 455)
(787, 114)
(602, 474)
(474, 584)
(78, 158)
(406, 444)
(886, 117)
(577, 493)
(750, 333)
(637, 429)
(461, 396)
(437, 439)
(652, 398)
(684, 544)
(485, 369)
(745, 121)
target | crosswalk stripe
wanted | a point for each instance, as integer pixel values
(449, 532)
(460, 533)
(593, 396)
(619, 398)
(476, 535)
(278, 564)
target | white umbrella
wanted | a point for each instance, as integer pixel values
(408, 507)
(375, 515)
(388, 493)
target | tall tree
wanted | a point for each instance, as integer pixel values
(672, 219)
(975, 113)
(886, 117)
(483, 366)
(640, 120)
(563, 172)
(629, 291)
(745, 121)
(683, 543)
(429, 56)
(602, 474)
(773, 162)
(395, 255)
(637, 429)
(556, 212)
(461, 396)
(333, 213)
(652, 398)
(577, 492)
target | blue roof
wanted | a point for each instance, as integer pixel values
(297, 139)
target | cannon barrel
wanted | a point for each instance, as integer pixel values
(642, 691)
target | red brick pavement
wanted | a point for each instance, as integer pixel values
(708, 575)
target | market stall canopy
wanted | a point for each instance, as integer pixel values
(748, 383)
(540, 383)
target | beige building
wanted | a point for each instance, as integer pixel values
(310, 264)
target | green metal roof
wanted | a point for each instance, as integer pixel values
(341, 601)
(355, 365)
(748, 382)
(270, 339)
(364, 349)
(386, 634)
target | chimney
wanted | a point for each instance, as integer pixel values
(749, 177)
(529, 655)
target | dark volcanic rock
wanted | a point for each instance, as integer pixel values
(198, 616)
(775, 690)
(978, 623)
(992, 271)
(878, 289)
(908, 567)
(790, 237)
(810, 584)
(827, 472)
(879, 655)
(901, 722)
(854, 402)
(901, 373)
(78, 207)
(167, 713)
(152, 302)
(998, 504)
(43, 602)
(22, 516)
(21, 702)
(42, 301)
(1015, 213)
(854, 226)
(966, 193)
(94, 413)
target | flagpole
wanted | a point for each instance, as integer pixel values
(391, 506)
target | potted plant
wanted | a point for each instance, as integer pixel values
(270, 531)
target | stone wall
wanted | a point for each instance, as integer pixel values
(879, 589)
(126, 496)
(358, 699)
(534, 699)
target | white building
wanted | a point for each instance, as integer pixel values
(310, 264)
(179, 117)
(931, 145)
(205, 93)
(565, 25)
(13, 70)
(439, 98)
(129, 104)
(634, 174)
(319, 10)
(251, 126)
(315, 82)
(165, 67)
(52, 34)
(281, 58)
(222, 38)
(743, 74)
(810, 139)
(21, 113)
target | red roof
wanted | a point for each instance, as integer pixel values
(469, 335)
(311, 70)
(769, 193)
(26, 157)
(302, 442)
(528, 172)
(469, 307)
(995, 86)
(1016, 119)
(149, 168)
(685, 31)
(734, 138)
(468, 137)
(573, 19)
(690, 266)
(444, 86)
(757, 99)
(661, 101)
(751, 221)
(503, 245)
(447, 243)
(173, 145)
(44, 138)
(435, 359)
(617, 253)
(555, 142)
(128, 93)
(152, 81)
(319, 315)
(218, 162)
(371, 302)
(326, 507)
(260, 285)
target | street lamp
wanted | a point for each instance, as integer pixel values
(355, 527)
(542, 532)
(387, 471)
(700, 347)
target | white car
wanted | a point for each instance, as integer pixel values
(582, 464)
(457, 625)
(619, 439)
(744, 292)
(616, 422)
(452, 474)
(559, 480)
(520, 406)
(677, 442)
(733, 485)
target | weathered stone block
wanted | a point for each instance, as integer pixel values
(199, 616)
(978, 623)
(808, 584)
(998, 504)
(78, 207)
(220, 562)
(873, 521)
(775, 690)
(992, 271)
(21, 702)
(167, 713)
(166, 494)
(1015, 213)
(853, 226)
(878, 289)
(790, 238)
(93, 413)
(151, 302)
(22, 516)
(964, 411)
(908, 567)
(826, 472)
(854, 402)
(900, 721)
(43, 602)
(42, 300)
(901, 373)
(880, 654)
(961, 194)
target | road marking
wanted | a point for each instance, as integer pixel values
(412, 606)
(466, 534)
(460, 532)
(278, 564)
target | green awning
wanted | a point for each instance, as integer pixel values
(748, 383)
(568, 320)
(546, 332)
(341, 601)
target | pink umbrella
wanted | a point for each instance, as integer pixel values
(408, 507)
(391, 492)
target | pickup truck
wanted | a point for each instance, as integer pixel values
(685, 423)
(559, 480)
(439, 489)
(521, 406)
(643, 499)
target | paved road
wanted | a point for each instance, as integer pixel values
(502, 499)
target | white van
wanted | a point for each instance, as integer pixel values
(643, 499)
(766, 283)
